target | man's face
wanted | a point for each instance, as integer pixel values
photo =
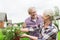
(33, 13)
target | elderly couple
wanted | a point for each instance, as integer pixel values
(39, 27)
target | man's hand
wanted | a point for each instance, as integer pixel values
(24, 35)
(24, 29)
(31, 37)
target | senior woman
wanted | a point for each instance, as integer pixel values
(49, 30)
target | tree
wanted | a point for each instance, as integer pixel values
(56, 16)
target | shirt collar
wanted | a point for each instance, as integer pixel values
(36, 18)
(50, 26)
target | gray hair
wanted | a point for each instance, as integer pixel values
(30, 9)
(50, 13)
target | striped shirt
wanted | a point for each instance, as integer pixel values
(31, 24)
(49, 33)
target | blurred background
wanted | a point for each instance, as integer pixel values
(16, 10)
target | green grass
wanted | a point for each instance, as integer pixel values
(58, 35)
(1, 35)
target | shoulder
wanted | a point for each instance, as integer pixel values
(55, 28)
(40, 18)
(54, 25)
(27, 19)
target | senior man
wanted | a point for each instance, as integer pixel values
(32, 24)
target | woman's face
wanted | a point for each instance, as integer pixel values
(46, 19)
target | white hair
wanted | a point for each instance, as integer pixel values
(49, 12)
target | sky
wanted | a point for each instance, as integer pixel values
(17, 10)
